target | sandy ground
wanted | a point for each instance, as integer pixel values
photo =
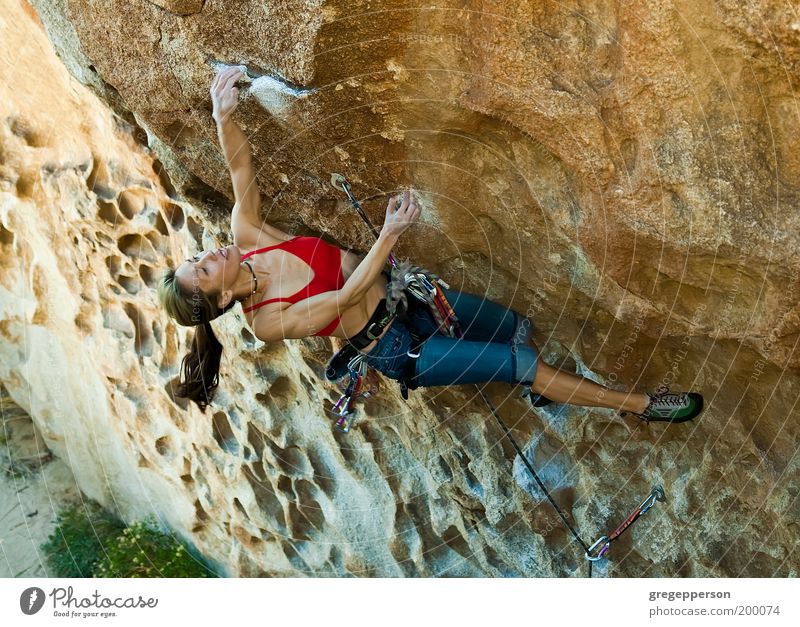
(28, 507)
(34, 486)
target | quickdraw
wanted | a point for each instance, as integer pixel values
(344, 409)
(426, 287)
(340, 182)
(656, 494)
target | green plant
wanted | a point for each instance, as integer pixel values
(76, 543)
(142, 550)
(90, 542)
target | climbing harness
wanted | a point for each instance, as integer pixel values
(425, 287)
(404, 280)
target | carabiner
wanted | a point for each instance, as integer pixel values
(599, 556)
(656, 494)
(344, 423)
(426, 283)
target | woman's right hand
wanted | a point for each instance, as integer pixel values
(224, 94)
(401, 213)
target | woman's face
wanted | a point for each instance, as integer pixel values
(212, 271)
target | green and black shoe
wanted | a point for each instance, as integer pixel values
(666, 407)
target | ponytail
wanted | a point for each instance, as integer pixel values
(200, 367)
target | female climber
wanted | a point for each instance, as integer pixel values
(294, 287)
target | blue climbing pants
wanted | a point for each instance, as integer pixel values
(494, 346)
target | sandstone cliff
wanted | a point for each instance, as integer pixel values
(625, 172)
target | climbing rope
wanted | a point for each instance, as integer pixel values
(529, 466)
(427, 284)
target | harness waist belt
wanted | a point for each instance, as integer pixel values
(379, 320)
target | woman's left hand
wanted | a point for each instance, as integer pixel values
(401, 212)
(224, 94)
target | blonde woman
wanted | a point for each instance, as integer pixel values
(293, 287)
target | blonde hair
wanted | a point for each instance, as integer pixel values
(200, 366)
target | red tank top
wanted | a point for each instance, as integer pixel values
(326, 262)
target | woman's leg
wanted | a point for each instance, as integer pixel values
(565, 387)
(447, 361)
(490, 330)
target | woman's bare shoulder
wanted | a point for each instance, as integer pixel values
(248, 236)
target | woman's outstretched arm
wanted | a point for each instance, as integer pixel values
(235, 147)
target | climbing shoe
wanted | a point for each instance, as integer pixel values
(666, 407)
(537, 400)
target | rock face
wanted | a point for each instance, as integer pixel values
(626, 173)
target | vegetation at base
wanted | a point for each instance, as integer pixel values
(90, 542)
(76, 543)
